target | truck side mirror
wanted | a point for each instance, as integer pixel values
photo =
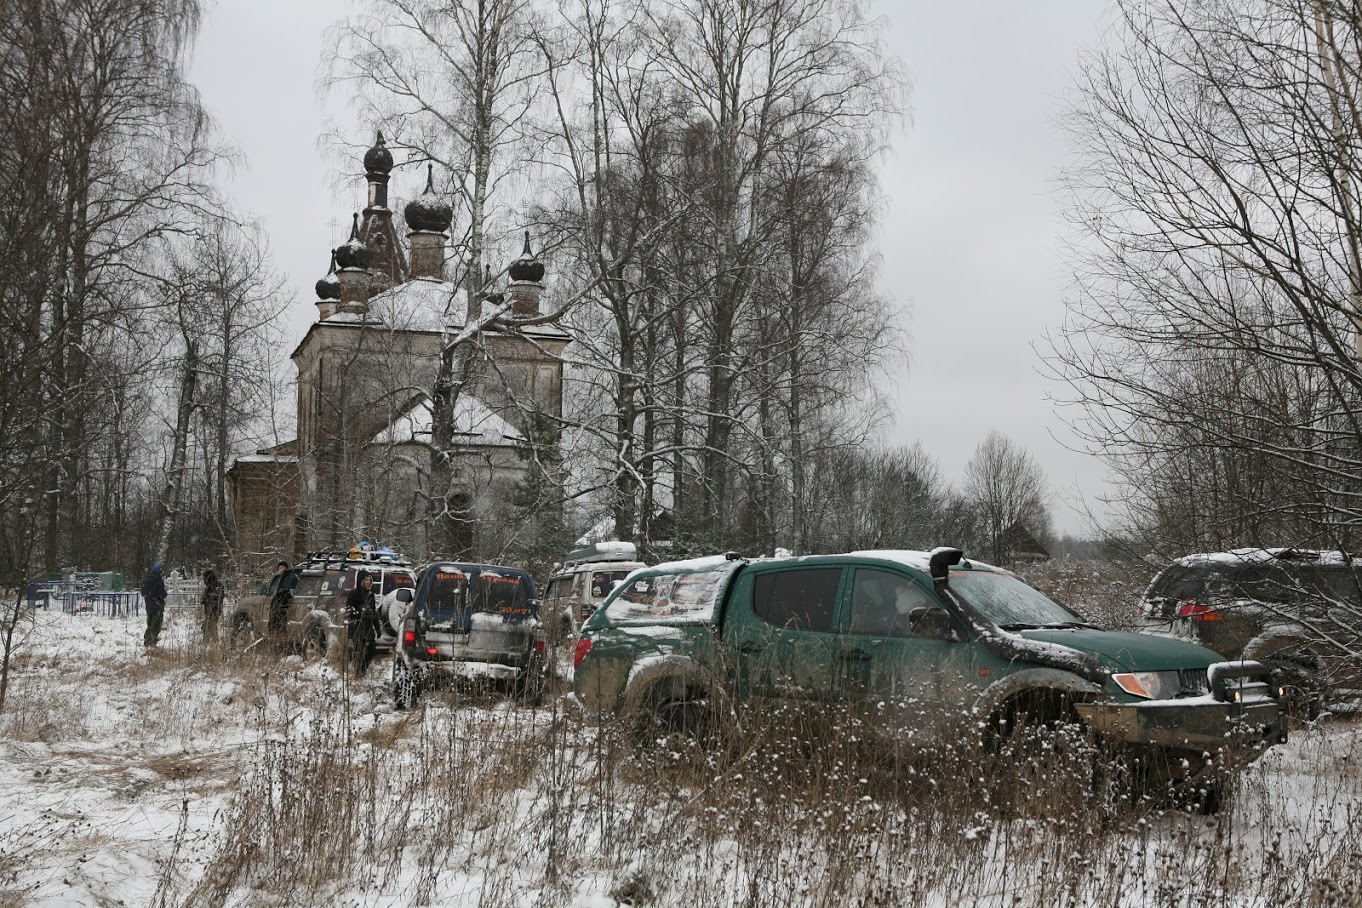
(933, 624)
(403, 594)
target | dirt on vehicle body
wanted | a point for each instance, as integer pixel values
(475, 621)
(922, 649)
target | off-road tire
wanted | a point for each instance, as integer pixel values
(1207, 797)
(675, 723)
(406, 688)
(314, 644)
(529, 686)
(243, 635)
(1038, 733)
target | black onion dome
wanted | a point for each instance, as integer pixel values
(527, 267)
(352, 253)
(429, 211)
(378, 159)
(328, 288)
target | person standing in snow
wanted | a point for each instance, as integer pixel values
(283, 594)
(212, 606)
(361, 626)
(154, 598)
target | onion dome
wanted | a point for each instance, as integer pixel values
(328, 288)
(527, 267)
(378, 159)
(429, 211)
(352, 253)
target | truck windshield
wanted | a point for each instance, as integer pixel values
(680, 597)
(1009, 603)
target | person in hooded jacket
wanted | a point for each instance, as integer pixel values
(212, 606)
(283, 595)
(361, 623)
(154, 598)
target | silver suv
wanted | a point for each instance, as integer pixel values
(582, 581)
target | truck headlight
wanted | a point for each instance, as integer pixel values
(1137, 684)
(1164, 685)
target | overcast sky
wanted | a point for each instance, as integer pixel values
(971, 236)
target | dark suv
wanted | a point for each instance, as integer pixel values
(476, 621)
(1298, 611)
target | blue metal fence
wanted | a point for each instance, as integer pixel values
(99, 604)
(78, 599)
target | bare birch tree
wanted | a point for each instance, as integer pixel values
(730, 284)
(453, 81)
(220, 300)
(754, 78)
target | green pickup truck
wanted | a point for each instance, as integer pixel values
(930, 644)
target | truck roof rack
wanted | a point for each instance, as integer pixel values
(613, 550)
(340, 558)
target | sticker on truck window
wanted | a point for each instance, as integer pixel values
(670, 598)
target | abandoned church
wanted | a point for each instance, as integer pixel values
(361, 465)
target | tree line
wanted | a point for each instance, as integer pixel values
(1215, 330)
(700, 176)
(139, 307)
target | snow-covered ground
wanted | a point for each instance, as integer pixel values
(185, 776)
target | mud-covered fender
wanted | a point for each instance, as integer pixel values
(1004, 689)
(669, 677)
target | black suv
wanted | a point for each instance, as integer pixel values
(476, 621)
(1298, 611)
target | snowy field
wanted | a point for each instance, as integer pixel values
(188, 777)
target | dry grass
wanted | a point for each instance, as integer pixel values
(787, 812)
(473, 799)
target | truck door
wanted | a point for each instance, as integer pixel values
(780, 631)
(897, 653)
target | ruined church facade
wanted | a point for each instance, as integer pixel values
(360, 466)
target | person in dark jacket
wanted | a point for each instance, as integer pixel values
(212, 606)
(283, 594)
(154, 599)
(361, 623)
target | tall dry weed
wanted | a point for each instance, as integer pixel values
(474, 798)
